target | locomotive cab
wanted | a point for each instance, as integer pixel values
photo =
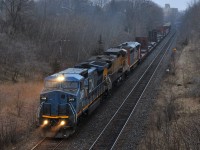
(134, 52)
(66, 96)
(59, 102)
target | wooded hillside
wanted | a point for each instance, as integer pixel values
(175, 121)
(41, 37)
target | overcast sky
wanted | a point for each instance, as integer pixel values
(180, 4)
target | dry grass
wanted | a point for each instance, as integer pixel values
(18, 106)
(175, 121)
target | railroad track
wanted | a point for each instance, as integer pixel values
(47, 144)
(52, 144)
(112, 131)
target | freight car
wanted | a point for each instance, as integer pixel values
(77, 91)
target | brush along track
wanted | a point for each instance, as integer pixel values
(110, 134)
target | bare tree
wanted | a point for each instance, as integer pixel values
(15, 11)
(19, 104)
(45, 21)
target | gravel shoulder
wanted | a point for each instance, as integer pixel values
(174, 120)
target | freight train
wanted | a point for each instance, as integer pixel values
(77, 91)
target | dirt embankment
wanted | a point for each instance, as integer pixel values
(175, 120)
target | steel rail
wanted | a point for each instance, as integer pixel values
(39, 144)
(140, 97)
(57, 145)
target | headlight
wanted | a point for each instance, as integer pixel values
(60, 78)
(43, 98)
(62, 123)
(71, 99)
(45, 122)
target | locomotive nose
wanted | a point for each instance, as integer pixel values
(55, 110)
(54, 103)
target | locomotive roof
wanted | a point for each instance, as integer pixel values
(116, 50)
(93, 64)
(79, 71)
(106, 59)
(103, 57)
(99, 63)
(71, 74)
(167, 24)
(73, 71)
(129, 44)
(67, 77)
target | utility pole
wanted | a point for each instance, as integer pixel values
(45, 9)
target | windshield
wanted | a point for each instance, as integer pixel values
(67, 86)
(51, 85)
(70, 86)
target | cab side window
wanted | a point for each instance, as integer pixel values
(86, 83)
(138, 47)
(91, 84)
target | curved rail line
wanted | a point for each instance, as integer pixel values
(38, 144)
(112, 131)
(117, 139)
(46, 143)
